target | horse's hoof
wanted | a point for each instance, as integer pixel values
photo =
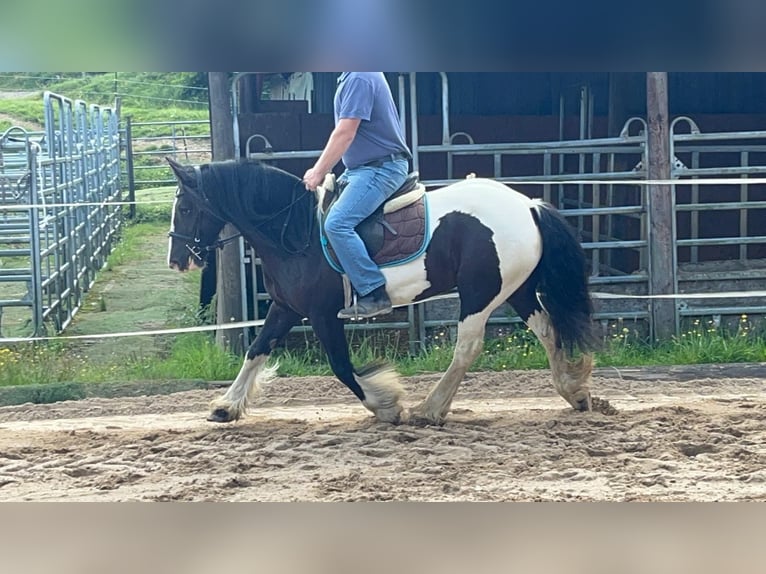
(417, 421)
(583, 404)
(391, 415)
(220, 416)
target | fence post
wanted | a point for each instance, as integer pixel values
(129, 167)
(34, 242)
(229, 261)
(662, 243)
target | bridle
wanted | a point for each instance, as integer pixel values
(192, 242)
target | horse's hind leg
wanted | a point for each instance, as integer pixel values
(470, 341)
(233, 404)
(571, 378)
(377, 386)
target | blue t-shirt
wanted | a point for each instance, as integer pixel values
(366, 96)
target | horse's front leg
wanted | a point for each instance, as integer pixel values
(377, 385)
(232, 405)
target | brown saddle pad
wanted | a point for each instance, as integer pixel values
(391, 238)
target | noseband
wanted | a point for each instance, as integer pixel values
(192, 243)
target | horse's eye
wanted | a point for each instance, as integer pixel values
(184, 210)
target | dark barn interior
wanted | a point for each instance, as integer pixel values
(498, 107)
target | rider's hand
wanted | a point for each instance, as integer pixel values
(313, 179)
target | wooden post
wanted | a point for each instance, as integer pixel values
(229, 261)
(662, 257)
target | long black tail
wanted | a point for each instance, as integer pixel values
(563, 286)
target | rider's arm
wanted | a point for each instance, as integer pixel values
(340, 140)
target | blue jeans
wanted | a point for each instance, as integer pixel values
(367, 189)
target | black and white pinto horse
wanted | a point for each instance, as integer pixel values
(489, 242)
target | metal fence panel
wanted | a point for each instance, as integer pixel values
(186, 141)
(56, 228)
(720, 227)
(611, 217)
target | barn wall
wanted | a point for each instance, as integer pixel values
(537, 94)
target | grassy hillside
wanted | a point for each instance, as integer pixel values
(146, 96)
(182, 89)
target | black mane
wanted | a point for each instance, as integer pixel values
(262, 200)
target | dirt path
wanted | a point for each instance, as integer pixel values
(112, 304)
(674, 437)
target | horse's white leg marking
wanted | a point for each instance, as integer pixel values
(571, 378)
(172, 229)
(383, 391)
(470, 341)
(251, 376)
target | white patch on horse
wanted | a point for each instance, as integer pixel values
(405, 282)
(252, 376)
(516, 237)
(172, 229)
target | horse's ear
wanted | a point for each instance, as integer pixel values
(184, 173)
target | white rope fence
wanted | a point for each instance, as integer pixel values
(260, 322)
(640, 182)
(175, 331)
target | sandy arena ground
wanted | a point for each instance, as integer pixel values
(693, 434)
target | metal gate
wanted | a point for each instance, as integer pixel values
(56, 224)
(718, 241)
(720, 235)
(576, 177)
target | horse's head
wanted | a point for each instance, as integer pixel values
(194, 228)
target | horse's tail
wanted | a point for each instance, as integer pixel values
(563, 280)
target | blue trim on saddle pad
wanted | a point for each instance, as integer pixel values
(426, 240)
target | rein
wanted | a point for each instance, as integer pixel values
(286, 224)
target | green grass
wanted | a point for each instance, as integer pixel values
(30, 110)
(195, 356)
(155, 205)
(192, 356)
(701, 342)
(167, 114)
(145, 96)
(23, 110)
(30, 364)
(150, 89)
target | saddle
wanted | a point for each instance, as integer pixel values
(394, 234)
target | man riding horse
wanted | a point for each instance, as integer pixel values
(369, 139)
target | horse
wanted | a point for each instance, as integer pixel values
(487, 241)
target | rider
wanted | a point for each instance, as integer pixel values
(369, 139)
